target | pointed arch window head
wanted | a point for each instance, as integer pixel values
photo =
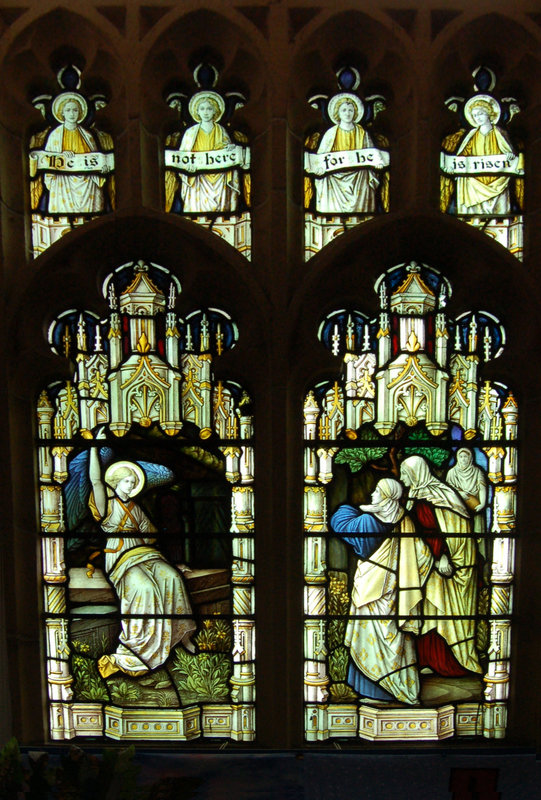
(346, 167)
(71, 162)
(482, 166)
(207, 161)
(410, 495)
(146, 490)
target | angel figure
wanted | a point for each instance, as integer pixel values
(206, 191)
(355, 188)
(144, 581)
(486, 191)
(60, 192)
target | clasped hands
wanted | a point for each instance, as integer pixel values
(444, 566)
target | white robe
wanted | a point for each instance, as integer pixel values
(147, 584)
(471, 484)
(453, 596)
(349, 191)
(386, 602)
(473, 195)
(208, 192)
(69, 193)
(456, 595)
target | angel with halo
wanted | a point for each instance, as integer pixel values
(145, 582)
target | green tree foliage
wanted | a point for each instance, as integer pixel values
(417, 442)
(437, 455)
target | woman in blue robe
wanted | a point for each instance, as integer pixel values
(386, 595)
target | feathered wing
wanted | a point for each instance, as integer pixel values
(447, 187)
(36, 179)
(77, 488)
(447, 184)
(450, 143)
(106, 144)
(519, 192)
(171, 177)
(385, 175)
(311, 142)
(156, 474)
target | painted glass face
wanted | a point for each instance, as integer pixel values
(71, 112)
(206, 111)
(480, 115)
(410, 478)
(346, 112)
(376, 495)
(147, 522)
(126, 485)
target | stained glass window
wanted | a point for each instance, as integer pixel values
(147, 521)
(207, 162)
(346, 167)
(482, 167)
(71, 163)
(409, 515)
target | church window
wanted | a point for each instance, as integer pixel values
(346, 167)
(146, 481)
(71, 162)
(482, 165)
(410, 498)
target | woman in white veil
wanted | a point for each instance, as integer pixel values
(386, 596)
(447, 643)
(470, 482)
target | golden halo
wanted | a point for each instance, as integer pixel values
(60, 101)
(337, 100)
(486, 98)
(135, 468)
(199, 97)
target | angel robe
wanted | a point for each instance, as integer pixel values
(145, 584)
(208, 191)
(348, 191)
(73, 193)
(385, 604)
(484, 194)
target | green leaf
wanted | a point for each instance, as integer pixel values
(357, 457)
(437, 455)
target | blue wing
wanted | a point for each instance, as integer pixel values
(77, 488)
(156, 474)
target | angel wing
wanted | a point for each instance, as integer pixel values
(156, 474)
(77, 488)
